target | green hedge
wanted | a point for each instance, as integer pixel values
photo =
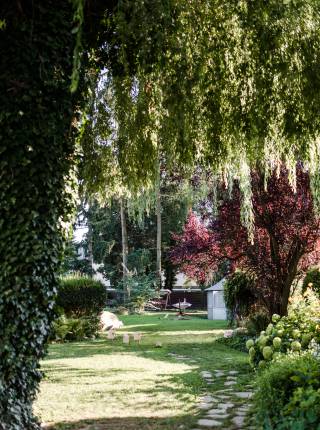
(288, 395)
(81, 295)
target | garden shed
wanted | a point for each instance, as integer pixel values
(215, 302)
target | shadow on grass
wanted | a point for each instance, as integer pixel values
(125, 423)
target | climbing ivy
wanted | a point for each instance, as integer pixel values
(36, 182)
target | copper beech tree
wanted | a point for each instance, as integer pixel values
(286, 238)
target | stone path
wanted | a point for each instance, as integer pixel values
(227, 408)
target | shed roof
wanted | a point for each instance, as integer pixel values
(218, 286)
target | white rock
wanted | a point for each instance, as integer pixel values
(244, 394)
(206, 374)
(226, 405)
(209, 423)
(233, 372)
(205, 406)
(207, 399)
(216, 411)
(238, 421)
(228, 383)
(108, 320)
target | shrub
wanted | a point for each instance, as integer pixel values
(72, 329)
(236, 341)
(80, 295)
(312, 280)
(238, 295)
(257, 321)
(142, 289)
(288, 394)
(296, 332)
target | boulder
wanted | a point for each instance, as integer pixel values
(110, 321)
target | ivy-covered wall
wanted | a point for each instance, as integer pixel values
(36, 153)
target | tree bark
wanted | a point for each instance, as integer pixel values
(125, 249)
(90, 246)
(159, 237)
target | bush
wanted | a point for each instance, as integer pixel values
(238, 295)
(288, 394)
(312, 280)
(71, 329)
(257, 322)
(296, 332)
(142, 289)
(80, 296)
(236, 341)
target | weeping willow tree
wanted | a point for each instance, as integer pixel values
(223, 84)
(228, 85)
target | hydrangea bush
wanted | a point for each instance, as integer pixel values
(299, 331)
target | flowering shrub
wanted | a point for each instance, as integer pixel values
(288, 394)
(298, 331)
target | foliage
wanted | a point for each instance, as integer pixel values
(72, 329)
(72, 263)
(36, 186)
(257, 321)
(238, 293)
(236, 341)
(312, 277)
(286, 237)
(81, 295)
(298, 331)
(141, 289)
(189, 80)
(288, 394)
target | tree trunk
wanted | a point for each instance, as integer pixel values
(90, 246)
(159, 237)
(36, 154)
(125, 250)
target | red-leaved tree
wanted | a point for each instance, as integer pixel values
(286, 238)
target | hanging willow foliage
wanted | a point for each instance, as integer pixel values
(228, 85)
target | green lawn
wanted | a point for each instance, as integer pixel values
(105, 384)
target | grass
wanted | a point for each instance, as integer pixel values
(101, 384)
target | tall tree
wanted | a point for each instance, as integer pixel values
(251, 68)
(286, 238)
(125, 246)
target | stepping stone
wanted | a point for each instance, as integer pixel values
(207, 399)
(233, 372)
(205, 406)
(231, 378)
(206, 374)
(228, 383)
(226, 405)
(223, 397)
(219, 374)
(216, 411)
(241, 413)
(238, 421)
(244, 408)
(244, 394)
(209, 423)
(218, 416)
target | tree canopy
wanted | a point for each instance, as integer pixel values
(226, 84)
(286, 238)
